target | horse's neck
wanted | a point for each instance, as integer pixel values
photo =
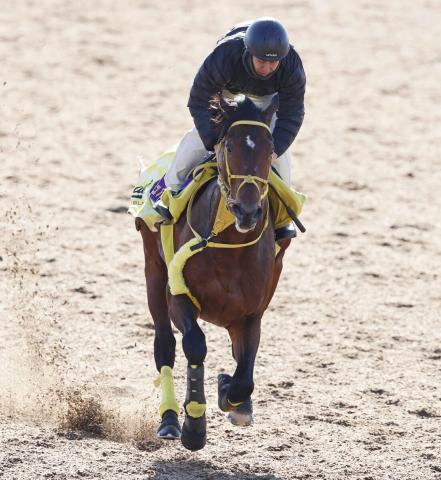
(205, 209)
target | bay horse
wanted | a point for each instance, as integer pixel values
(233, 285)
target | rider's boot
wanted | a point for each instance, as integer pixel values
(162, 209)
(288, 231)
(156, 193)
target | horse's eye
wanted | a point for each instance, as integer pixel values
(229, 147)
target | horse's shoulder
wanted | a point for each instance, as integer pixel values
(204, 207)
(201, 215)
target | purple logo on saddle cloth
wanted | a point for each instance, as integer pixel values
(157, 190)
(159, 186)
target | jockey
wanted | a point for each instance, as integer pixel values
(255, 59)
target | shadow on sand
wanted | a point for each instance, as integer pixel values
(201, 470)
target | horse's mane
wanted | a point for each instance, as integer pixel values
(225, 112)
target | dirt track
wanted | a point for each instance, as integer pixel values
(347, 377)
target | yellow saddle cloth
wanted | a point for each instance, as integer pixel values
(141, 205)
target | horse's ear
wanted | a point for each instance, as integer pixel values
(271, 110)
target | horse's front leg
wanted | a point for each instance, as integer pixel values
(184, 315)
(235, 392)
(165, 343)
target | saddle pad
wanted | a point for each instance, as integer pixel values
(140, 203)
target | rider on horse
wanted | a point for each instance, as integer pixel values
(255, 59)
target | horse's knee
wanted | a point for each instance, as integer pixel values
(194, 346)
(164, 348)
(165, 339)
(240, 390)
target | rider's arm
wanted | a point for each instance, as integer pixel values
(211, 78)
(291, 105)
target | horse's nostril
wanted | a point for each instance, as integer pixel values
(236, 209)
(248, 213)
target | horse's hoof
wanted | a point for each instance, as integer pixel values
(240, 419)
(242, 415)
(223, 384)
(169, 428)
(194, 433)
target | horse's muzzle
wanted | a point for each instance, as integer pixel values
(247, 216)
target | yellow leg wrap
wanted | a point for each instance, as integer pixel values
(168, 400)
(234, 404)
(176, 278)
(195, 409)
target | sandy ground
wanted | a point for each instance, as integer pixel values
(347, 376)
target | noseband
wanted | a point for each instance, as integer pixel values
(225, 184)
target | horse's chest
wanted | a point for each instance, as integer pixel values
(232, 284)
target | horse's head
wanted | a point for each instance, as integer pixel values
(244, 158)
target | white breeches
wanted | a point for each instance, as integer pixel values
(191, 152)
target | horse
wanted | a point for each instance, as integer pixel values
(233, 285)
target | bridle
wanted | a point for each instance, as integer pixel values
(225, 184)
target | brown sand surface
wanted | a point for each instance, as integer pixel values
(348, 372)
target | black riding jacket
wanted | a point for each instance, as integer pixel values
(229, 67)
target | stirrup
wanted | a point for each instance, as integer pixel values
(162, 210)
(288, 231)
